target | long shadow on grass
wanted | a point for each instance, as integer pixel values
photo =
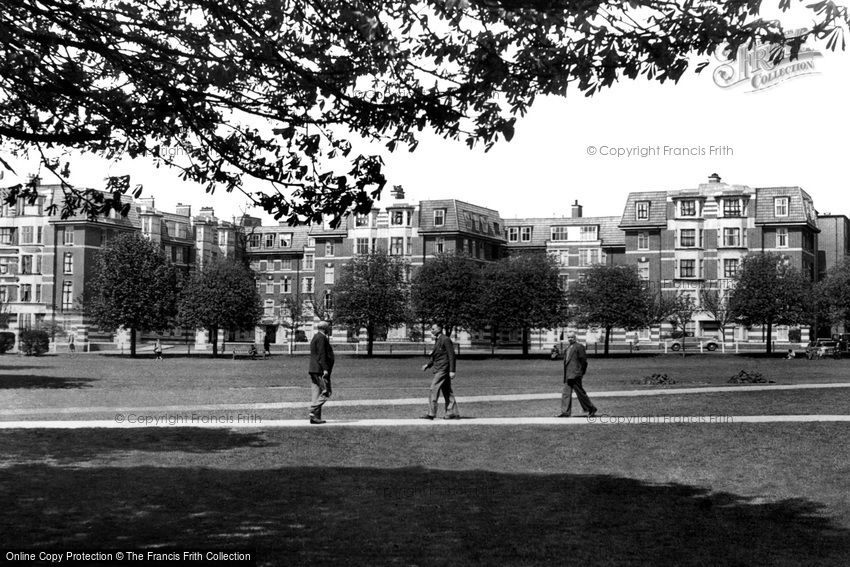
(33, 382)
(362, 516)
(73, 446)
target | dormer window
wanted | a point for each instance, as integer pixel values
(439, 217)
(780, 206)
(688, 208)
(732, 207)
(642, 211)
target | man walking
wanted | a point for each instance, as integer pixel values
(443, 362)
(321, 365)
(575, 365)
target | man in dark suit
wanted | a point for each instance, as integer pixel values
(575, 365)
(321, 365)
(443, 362)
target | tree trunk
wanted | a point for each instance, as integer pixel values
(214, 338)
(607, 339)
(525, 341)
(132, 342)
(769, 335)
(370, 339)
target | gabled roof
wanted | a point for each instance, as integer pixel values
(541, 229)
(800, 207)
(458, 218)
(657, 210)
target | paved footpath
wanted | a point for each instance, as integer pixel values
(298, 423)
(415, 401)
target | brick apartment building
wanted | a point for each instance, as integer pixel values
(679, 240)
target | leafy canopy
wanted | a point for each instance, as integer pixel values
(282, 91)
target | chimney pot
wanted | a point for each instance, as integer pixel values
(714, 178)
(577, 210)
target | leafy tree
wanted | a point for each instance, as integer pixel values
(221, 296)
(372, 293)
(769, 291)
(277, 90)
(133, 286)
(445, 290)
(609, 297)
(833, 293)
(292, 306)
(521, 292)
(717, 303)
(678, 309)
(320, 309)
(34, 342)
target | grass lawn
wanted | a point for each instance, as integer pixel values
(761, 494)
(723, 494)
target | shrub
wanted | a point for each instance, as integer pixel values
(34, 342)
(744, 377)
(656, 380)
(7, 341)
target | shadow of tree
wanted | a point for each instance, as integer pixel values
(68, 446)
(27, 382)
(368, 516)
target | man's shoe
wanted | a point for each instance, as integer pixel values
(592, 413)
(452, 417)
(315, 421)
(426, 416)
(563, 415)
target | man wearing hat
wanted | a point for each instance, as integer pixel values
(321, 365)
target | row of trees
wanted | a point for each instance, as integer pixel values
(136, 287)
(523, 292)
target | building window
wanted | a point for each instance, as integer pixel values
(780, 206)
(361, 220)
(269, 288)
(285, 239)
(26, 293)
(782, 238)
(68, 264)
(26, 264)
(731, 207)
(589, 232)
(286, 285)
(643, 270)
(68, 238)
(397, 218)
(688, 238)
(307, 285)
(525, 234)
(263, 266)
(270, 240)
(688, 208)
(6, 235)
(38, 264)
(440, 245)
(642, 211)
(308, 261)
(329, 300)
(362, 246)
(253, 240)
(396, 246)
(439, 217)
(26, 235)
(38, 293)
(329, 249)
(276, 265)
(497, 229)
(643, 241)
(687, 268)
(730, 268)
(513, 234)
(559, 233)
(39, 235)
(588, 256)
(329, 274)
(67, 295)
(286, 264)
(731, 237)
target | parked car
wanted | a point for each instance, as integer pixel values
(692, 343)
(820, 348)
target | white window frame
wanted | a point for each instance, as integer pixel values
(781, 206)
(645, 205)
(782, 237)
(513, 234)
(441, 215)
(525, 234)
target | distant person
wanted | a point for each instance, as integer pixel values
(72, 348)
(575, 366)
(267, 345)
(252, 351)
(790, 354)
(157, 349)
(443, 363)
(321, 366)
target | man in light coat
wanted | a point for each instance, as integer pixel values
(575, 365)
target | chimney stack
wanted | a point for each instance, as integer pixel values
(397, 192)
(576, 210)
(183, 210)
(714, 178)
(147, 202)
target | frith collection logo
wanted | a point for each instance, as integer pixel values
(757, 67)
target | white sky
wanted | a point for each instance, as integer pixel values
(792, 134)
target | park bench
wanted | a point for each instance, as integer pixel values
(247, 352)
